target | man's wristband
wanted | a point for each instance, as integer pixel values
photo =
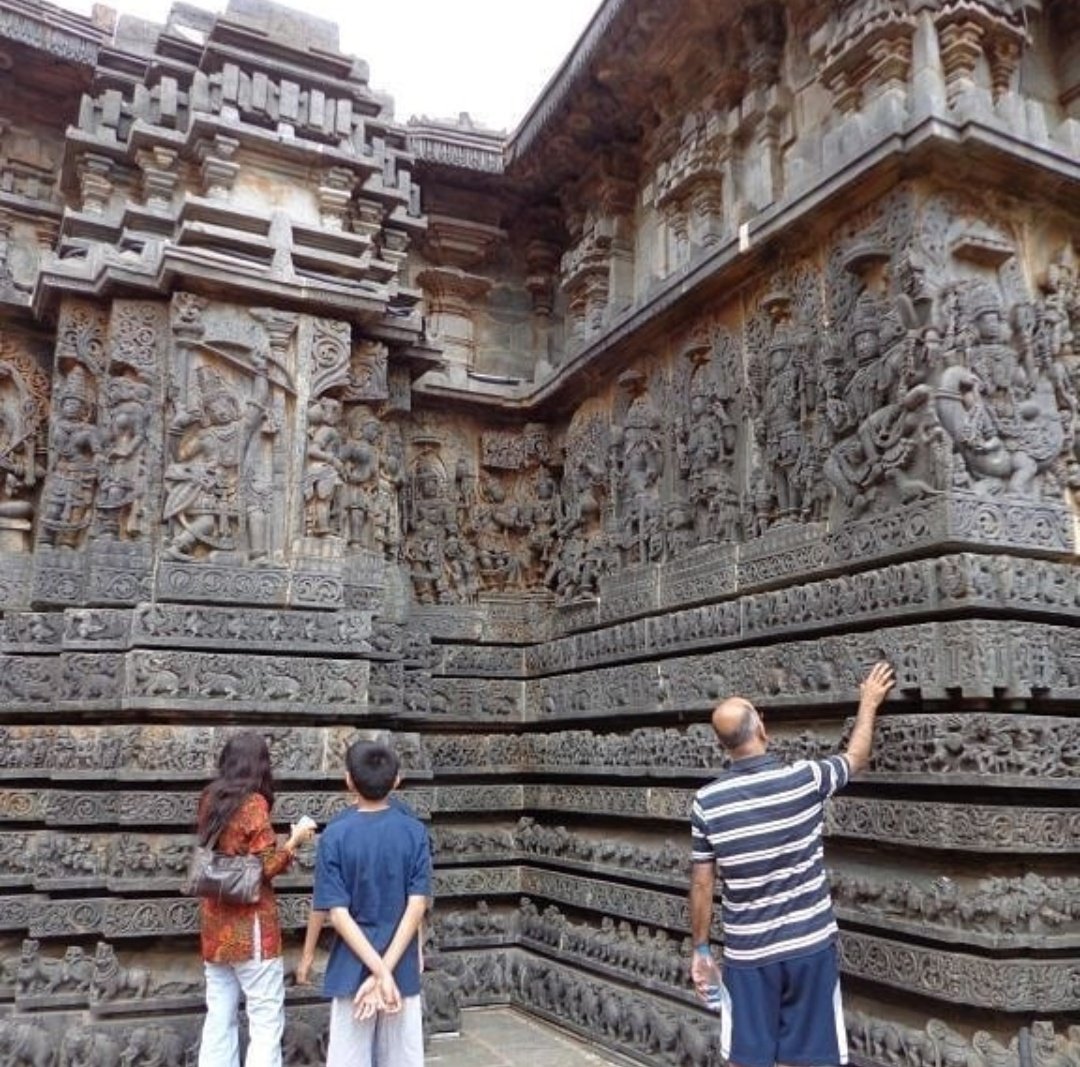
(704, 949)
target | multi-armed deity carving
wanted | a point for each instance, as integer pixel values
(225, 418)
(883, 441)
(705, 441)
(75, 452)
(637, 469)
(583, 551)
(373, 473)
(783, 382)
(216, 504)
(431, 516)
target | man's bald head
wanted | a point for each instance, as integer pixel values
(736, 723)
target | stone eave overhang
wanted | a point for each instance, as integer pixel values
(47, 28)
(989, 156)
(566, 80)
(440, 147)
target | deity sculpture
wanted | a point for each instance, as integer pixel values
(388, 516)
(705, 445)
(431, 513)
(19, 468)
(987, 352)
(213, 499)
(543, 520)
(496, 523)
(127, 425)
(76, 444)
(882, 423)
(323, 474)
(637, 465)
(782, 412)
(360, 462)
(1008, 411)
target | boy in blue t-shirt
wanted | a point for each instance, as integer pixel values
(373, 875)
(317, 919)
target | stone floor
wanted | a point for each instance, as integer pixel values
(502, 1037)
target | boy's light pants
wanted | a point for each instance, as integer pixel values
(381, 1041)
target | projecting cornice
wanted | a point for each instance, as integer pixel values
(50, 29)
(592, 42)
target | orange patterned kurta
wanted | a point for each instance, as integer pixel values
(228, 929)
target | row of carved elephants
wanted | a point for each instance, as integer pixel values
(612, 1009)
(1019, 915)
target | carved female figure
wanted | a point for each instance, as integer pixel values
(120, 508)
(323, 474)
(76, 446)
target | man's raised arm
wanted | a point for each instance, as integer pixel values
(873, 691)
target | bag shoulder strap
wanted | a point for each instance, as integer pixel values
(214, 839)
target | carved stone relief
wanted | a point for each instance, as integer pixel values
(799, 391)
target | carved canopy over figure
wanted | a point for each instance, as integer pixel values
(213, 500)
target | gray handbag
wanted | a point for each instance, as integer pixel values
(226, 879)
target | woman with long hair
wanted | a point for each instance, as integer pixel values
(241, 943)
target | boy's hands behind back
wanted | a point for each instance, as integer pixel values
(377, 993)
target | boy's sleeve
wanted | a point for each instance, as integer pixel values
(330, 889)
(420, 874)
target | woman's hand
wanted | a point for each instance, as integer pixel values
(302, 831)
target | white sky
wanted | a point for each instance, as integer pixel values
(490, 58)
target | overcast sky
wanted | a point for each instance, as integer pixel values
(440, 57)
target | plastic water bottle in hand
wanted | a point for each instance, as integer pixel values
(712, 992)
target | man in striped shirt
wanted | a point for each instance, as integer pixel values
(759, 826)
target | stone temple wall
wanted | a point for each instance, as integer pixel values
(750, 359)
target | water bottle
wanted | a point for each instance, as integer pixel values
(713, 991)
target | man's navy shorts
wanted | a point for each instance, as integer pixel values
(786, 1012)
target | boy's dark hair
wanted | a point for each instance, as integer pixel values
(372, 767)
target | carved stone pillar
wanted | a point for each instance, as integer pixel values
(218, 171)
(95, 182)
(395, 250)
(542, 259)
(334, 195)
(452, 297)
(973, 32)
(961, 49)
(5, 240)
(867, 69)
(159, 176)
(597, 270)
